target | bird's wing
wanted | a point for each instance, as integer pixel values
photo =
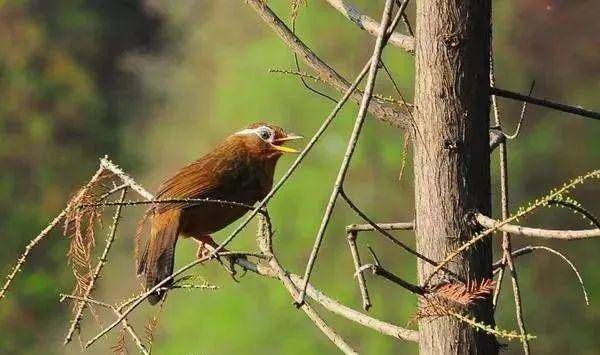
(208, 177)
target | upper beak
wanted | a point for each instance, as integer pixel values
(289, 137)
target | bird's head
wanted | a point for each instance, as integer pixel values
(266, 140)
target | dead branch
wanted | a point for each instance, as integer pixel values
(125, 324)
(362, 283)
(387, 113)
(506, 238)
(265, 243)
(371, 26)
(488, 222)
(352, 141)
(78, 310)
(399, 226)
(565, 188)
(497, 267)
(576, 110)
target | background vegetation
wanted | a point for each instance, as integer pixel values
(155, 84)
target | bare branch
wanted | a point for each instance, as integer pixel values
(41, 236)
(356, 316)
(529, 249)
(383, 111)
(380, 271)
(125, 324)
(362, 283)
(265, 243)
(576, 110)
(506, 238)
(96, 274)
(565, 188)
(522, 117)
(352, 141)
(366, 23)
(400, 226)
(537, 232)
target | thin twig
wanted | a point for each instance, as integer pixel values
(28, 249)
(381, 271)
(399, 226)
(506, 239)
(34, 242)
(576, 110)
(137, 301)
(384, 232)
(381, 110)
(498, 265)
(522, 117)
(362, 283)
(538, 203)
(352, 141)
(265, 243)
(537, 232)
(593, 220)
(125, 324)
(78, 312)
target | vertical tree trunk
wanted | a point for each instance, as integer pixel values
(452, 174)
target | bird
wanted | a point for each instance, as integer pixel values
(239, 169)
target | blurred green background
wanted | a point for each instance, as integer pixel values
(155, 84)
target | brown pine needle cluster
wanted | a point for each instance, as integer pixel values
(79, 225)
(452, 297)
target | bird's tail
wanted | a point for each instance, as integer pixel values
(158, 258)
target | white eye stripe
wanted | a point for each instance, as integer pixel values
(259, 131)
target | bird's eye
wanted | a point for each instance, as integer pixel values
(264, 134)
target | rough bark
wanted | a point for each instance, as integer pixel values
(451, 164)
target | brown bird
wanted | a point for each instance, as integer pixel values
(240, 169)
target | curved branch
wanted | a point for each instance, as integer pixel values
(382, 110)
(530, 248)
(366, 23)
(488, 222)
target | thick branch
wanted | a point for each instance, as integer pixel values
(382, 110)
(537, 232)
(371, 26)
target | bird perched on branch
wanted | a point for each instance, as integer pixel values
(240, 169)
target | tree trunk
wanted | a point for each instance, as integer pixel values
(451, 164)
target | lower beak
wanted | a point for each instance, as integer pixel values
(289, 137)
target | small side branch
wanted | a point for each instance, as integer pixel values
(576, 110)
(488, 222)
(382, 110)
(400, 226)
(352, 141)
(80, 305)
(265, 243)
(362, 283)
(498, 265)
(125, 324)
(366, 23)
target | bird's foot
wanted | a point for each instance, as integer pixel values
(204, 252)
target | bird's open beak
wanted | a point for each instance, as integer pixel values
(290, 137)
